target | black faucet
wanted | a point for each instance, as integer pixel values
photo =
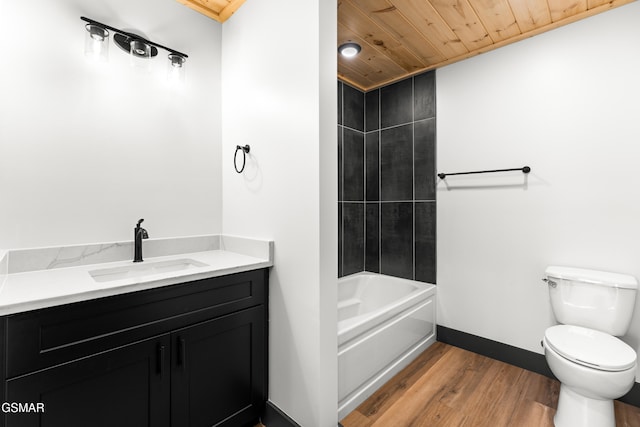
(139, 233)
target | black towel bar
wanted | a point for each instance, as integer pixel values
(525, 169)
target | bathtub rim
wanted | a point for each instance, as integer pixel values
(353, 327)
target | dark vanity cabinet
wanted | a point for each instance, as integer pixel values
(192, 354)
(122, 386)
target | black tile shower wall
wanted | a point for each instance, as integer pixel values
(396, 239)
(425, 241)
(351, 180)
(340, 269)
(396, 163)
(372, 110)
(387, 171)
(424, 86)
(424, 158)
(353, 238)
(372, 166)
(353, 165)
(340, 179)
(353, 108)
(396, 103)
(372, 238)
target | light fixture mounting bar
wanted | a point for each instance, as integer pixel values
(133, 36)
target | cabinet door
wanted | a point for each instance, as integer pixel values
(218, 374)
(124, 387)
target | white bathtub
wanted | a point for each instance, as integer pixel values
(383, 324)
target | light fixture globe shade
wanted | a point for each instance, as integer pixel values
(96, 32)
(140, 49)
(176, 60)
(349, 50)
(175, 69)
(96, 43)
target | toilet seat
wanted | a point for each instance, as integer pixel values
(590, 348)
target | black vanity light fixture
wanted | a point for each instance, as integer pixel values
(349, 50)
(97, 44)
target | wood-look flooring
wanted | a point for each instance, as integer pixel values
(449, 386)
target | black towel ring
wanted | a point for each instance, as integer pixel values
(245, 150)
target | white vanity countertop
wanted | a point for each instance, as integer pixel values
(34, 289)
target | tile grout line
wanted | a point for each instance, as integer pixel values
(342, 181)
(364, 182)
(379, 125)
(390, 201)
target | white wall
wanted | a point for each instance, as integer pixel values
(87, 150)
(566, 104)
(279, 96)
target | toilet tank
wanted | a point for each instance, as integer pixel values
(594, 299)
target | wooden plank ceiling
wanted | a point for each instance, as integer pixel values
(400, 38)
(220, 10)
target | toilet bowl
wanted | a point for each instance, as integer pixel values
(594, 368)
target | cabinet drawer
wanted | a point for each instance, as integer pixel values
(48, 337)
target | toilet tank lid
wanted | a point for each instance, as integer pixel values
(603, 278)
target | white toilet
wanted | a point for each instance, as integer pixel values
(593, 366)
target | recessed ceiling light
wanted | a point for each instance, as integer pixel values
(349, 50)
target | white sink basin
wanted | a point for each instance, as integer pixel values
(144, 268)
